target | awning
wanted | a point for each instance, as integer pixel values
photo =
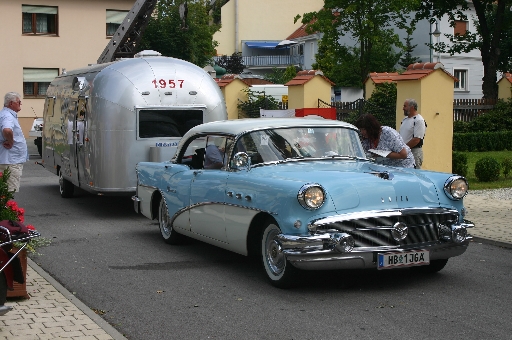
(286, 43)
(262, 44)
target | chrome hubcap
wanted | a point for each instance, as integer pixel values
(164, 221)
(274, 255)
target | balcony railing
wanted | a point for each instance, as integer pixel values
(270, 60)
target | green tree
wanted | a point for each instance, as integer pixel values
(256, 100)
(493, 33)
(382, 104)
(371, 24)
(281, 76)
(407, 57)
(188, 36)
(216, 7)
(233, 64)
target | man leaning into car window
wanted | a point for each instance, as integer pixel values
(214, 155)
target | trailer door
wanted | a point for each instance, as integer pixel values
(80, 140)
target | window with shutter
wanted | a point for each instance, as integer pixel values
(39, 20)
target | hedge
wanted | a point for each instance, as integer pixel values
(482, 141)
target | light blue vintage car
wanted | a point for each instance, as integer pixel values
(301, 194)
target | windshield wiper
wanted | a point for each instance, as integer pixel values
(341, 157)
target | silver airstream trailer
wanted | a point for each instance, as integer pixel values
(101, 120)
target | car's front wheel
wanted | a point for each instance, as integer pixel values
(168, 233)
(433, 267)
(278, 269)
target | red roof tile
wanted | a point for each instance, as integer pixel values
(228, 78)
(303, 77)
(507, 76)
(301, 31)
(420, 70)
(384, 77)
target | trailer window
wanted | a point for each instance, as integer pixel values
(167, 123)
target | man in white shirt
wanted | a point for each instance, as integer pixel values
(412, 130)
(13, 148)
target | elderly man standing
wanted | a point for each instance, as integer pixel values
(412, 130)
(13, 151)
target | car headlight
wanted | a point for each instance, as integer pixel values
(311, 196)
(456, 187)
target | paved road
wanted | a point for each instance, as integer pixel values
(114, 261)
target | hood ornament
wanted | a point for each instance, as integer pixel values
(399, 231)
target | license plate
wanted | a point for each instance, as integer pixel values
(403, 259)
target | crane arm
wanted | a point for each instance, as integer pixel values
(127, 36)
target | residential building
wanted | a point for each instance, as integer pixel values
(252, 25)
(466, 67)
(256, 27)
(43, 38)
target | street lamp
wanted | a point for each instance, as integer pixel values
(436, 34)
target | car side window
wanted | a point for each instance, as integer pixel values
(194, 153)
(247, 144)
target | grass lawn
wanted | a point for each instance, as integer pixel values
(502, 182)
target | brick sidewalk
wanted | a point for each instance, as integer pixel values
(49, 314)
(491, 218)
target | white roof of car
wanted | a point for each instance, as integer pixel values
(237, 126)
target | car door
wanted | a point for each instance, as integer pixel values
(208, 191)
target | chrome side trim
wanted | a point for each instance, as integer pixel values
(148, 186)
(182, 210)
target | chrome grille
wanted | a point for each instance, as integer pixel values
(375, 231)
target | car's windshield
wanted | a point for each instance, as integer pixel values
(304, 142)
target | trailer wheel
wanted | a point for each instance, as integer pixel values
(66, 187)
(39, 143)
(3, 289)
(168, 233)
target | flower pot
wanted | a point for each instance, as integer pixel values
(20, 289)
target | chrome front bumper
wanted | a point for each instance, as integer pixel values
(328, 250)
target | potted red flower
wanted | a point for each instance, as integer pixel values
(10, 211)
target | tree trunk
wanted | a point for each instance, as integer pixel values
(490, 49)
(489, 85)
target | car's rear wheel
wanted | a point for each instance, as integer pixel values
(168, 233)
(66, 188)
(433, 267)
(278, 269)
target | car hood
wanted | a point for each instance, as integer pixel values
(351, 184)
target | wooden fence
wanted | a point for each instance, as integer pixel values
(468, 109)
(343, 109)
(463, 109)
